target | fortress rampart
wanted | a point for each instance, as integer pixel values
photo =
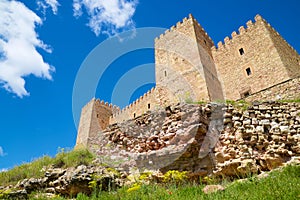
(149, 101)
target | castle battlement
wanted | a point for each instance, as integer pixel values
(258, 20)
(105, 104)
(241, 30)
(132, 107)
(180, 24)
(173, 28)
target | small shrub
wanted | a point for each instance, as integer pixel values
(174, 176)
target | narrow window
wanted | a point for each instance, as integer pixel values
(245, 94)
(204, 41)
(241, 50)
(248, 70)
(165, 73)
(134, 115)
(97, 115)
(148, 105)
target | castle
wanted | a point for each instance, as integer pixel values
(255, 63)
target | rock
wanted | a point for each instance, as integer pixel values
(284, 129)
(54, 173)
(247, 166)
(14, 194)
(273, 162)
(212, 189)
(220, 157)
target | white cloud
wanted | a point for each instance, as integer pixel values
(3, 170)
(18, 47)
(1, 152)
(107, 16)
(45, 4)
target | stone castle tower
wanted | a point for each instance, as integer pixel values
(183, 55)
(255, 59)
(189, 67)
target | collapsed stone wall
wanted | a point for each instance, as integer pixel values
(205, 139)
(261, 138)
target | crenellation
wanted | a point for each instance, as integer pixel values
(220, 45)
(167, 31)
(258, 18)
(242, 30)
(226, 40)
(249, 24)
(233, 34)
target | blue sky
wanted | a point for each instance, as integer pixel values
(43, 44)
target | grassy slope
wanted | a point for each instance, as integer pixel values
(280, 184)
(34, 169)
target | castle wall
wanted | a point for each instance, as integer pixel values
(288, 54)
(250, 61)
(179, 68)
(289, 90)
(149, 101)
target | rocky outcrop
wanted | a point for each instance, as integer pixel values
(66, 182)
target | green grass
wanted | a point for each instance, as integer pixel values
(63, 159)
(280, 184)
(290, 101)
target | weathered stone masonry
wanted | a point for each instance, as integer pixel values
(255, 59)
(205, 139)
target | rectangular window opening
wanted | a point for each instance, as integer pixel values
(241, 50)
(245, 94)
(134, 115)
(148, 105)
(249, 72)
(165, 73)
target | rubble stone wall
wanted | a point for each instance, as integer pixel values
(203, 140)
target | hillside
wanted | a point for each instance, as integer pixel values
(84, 180)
